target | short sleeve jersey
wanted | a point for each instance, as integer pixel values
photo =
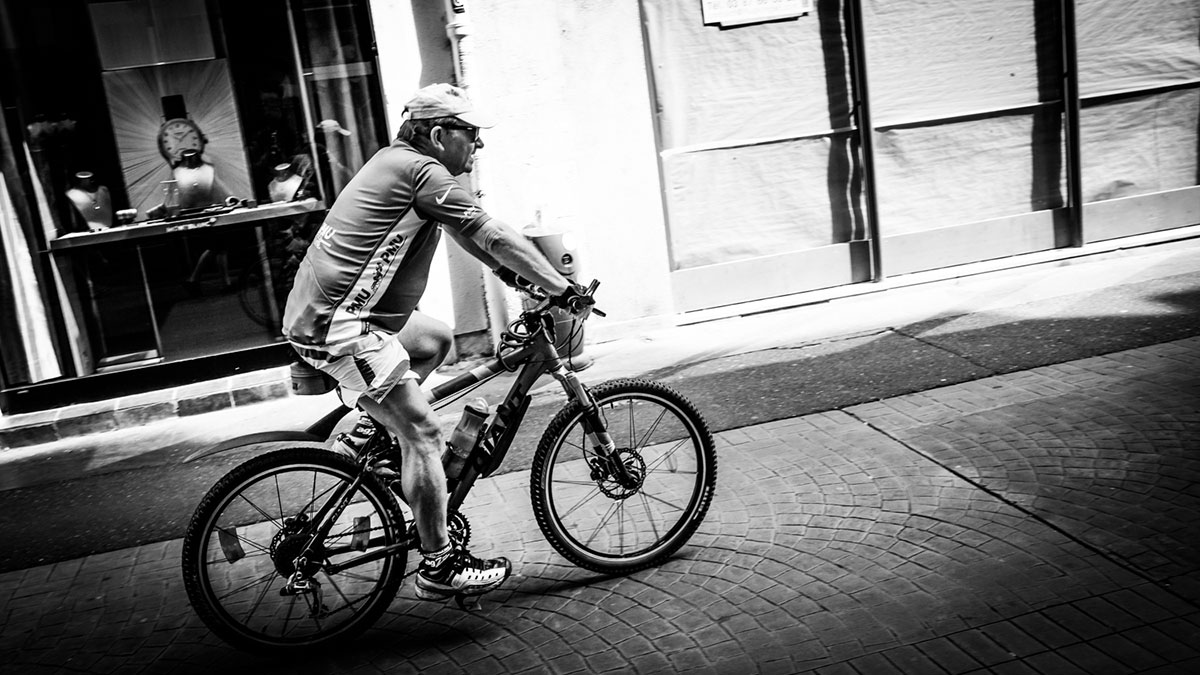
(367, 266)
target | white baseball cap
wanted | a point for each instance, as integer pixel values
(445, 100)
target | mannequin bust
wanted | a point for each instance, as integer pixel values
(92, 202)
(284, 185)
(195, 178)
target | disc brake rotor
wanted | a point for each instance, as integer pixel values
(614, 485)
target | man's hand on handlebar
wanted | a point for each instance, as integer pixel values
(575, 299)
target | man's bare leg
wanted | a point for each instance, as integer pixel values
(406, 413)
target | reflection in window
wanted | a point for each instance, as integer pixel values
(337, 56)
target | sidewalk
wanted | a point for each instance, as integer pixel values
(1041, 521)
(1046, 291)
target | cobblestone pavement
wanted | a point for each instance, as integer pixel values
(1044, 521)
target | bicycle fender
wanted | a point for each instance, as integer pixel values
(254, 439)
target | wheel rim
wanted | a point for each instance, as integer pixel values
(250, 544)
(610, 519)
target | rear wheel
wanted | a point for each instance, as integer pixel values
(246, 537)
(619, 519)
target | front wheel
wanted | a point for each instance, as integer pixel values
(636, 506)
(244, 563)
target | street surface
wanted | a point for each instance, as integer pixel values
(1040, 521)
(1011, 491)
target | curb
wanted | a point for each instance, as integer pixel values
(41, 427)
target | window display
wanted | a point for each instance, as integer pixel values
(181, 152)
(159, 112)
(93, 204)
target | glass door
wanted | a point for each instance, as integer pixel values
(338, 65)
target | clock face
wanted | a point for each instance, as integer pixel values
(178, 135)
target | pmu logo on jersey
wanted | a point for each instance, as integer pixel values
(379, 269)
(324, 236)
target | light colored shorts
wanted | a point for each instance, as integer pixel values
(370, 365)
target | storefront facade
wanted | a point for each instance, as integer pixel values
(165, 166)
(705, 154)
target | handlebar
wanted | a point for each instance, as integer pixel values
(535, 318)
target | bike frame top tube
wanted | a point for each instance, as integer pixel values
(532, 362)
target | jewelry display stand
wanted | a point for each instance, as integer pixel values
(195, 179)
(92, 202)
(285, 184)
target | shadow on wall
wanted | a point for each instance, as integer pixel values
(1047, 142)
(845, 176)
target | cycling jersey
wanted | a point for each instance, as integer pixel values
(368, 264)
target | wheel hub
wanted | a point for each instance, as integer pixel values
(618, 484)
(286, 547)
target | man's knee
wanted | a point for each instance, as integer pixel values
(406, 413)
(426, 339)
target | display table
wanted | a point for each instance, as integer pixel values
(139, 303)
(154, 228)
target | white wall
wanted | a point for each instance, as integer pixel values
(574, 145)
(574, 148)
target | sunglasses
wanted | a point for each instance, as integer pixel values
(474, 136)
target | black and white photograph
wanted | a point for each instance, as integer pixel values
(382, 337)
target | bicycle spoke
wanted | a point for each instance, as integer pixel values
(220, 559)
(257, 602)
(278, 495)
(256, 507)
(312, 501)
(620, 525)
(585, 500)
(663, 501)
(255, 545)
(649, 516)
(603, 521)
(358, 577)
(581, 448)
(632, 425)
(312, 610)
(338, 590)
(348, 604)
(243, 602)
(287, 619)
(653, 428)
(667, 454)
(268, 577)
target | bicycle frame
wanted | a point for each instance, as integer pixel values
(536, 358)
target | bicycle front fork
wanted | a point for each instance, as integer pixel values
(603, 446)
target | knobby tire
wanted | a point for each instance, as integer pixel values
(598, 523)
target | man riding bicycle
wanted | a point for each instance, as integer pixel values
(352, 309)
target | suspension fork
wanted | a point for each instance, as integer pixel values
(594, 426)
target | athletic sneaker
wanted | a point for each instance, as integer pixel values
(460, 573)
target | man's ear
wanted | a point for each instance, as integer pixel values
(435, 136)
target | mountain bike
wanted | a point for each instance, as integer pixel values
(303, 547)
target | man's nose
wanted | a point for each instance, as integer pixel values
(478, 142)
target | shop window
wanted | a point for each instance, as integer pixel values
(149, 123)
(337, 53)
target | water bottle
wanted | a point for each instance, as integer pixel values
(349, 443)
(464, 438)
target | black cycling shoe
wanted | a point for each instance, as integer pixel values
(461, 574)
